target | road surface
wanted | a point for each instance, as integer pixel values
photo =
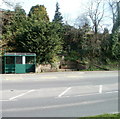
(60, 94)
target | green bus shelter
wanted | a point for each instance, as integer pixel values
(19, 62)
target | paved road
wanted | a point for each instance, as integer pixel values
(60, 94)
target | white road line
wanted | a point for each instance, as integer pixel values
(100, 88)
(72, 76)
(86, 95)
(57, 106)
(96, 93)
(6, 100)
(21, 94)
(114, 112)
(113, 91)
(48, 77)
(64, 92)
(67, 96)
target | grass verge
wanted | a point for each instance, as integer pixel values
(104, 116)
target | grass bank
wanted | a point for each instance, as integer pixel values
(104, 116)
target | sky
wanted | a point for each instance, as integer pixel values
(70, 9)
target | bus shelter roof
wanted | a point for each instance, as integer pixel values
(19, 54)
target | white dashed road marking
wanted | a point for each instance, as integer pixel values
(21, 95)
(64, 92)
(91, 94)
(100, 88)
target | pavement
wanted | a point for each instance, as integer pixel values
(59, 94)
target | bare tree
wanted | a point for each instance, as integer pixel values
(113, 7)
(8, 3)
(11, 3)
(81, 21)
(95, 11)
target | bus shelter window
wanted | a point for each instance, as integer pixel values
(10, 60)
(29, 60)
(19, 60)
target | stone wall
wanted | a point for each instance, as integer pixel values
(47, 67)
(60, 66)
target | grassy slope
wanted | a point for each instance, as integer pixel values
(104, 116)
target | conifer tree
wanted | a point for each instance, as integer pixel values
(57, 17)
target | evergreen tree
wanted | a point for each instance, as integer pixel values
(57, 17)
(19, 10)
(116, 34)
(40, 38)
(15, 22)
(38, 12)
(116, 25)
(105, 45)
(116, 44)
